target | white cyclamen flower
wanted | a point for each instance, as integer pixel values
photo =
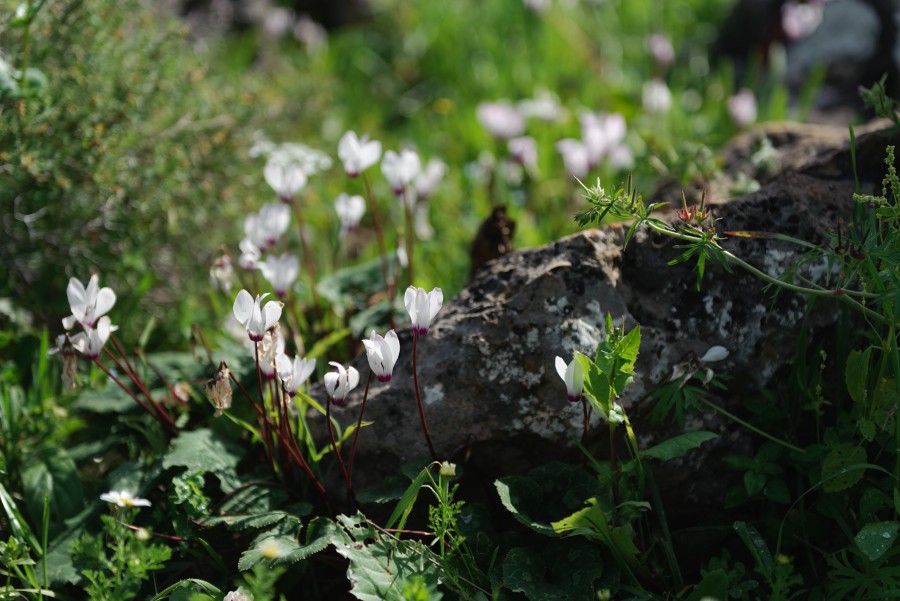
(90, 342)
(294, 373)
(358, 154)
(524, 151)
(264, 229)
(573, 375)
(281, 272)
(339, 384)
(287, 179)
(655, 96)
(502, 119)
(250, 254)
(382, 353)
(400, 169)
(123, 498)
(256, 320)
(714, 353)
(87, 304)
(422, 307)
(742, 108)
(575, 157)
(427, 181)
(350, 211)
(661, 50)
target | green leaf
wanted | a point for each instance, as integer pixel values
(875, 539)
(754, 482)
(560, 570)
(867, 428)
(549, 493)
(595, 523)
(713, 586)
(405, 504)
(838, 472)
(777, 490)
(677, 446)
(757, 546)
(52, 472)
(205, 451)
(856, 373)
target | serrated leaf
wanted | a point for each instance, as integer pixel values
(875, 539)
(275, 549)
(837, 471)
(237, 523)
(203, 450)
(856, 373)
(678, 445)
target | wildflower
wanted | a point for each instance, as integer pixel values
(661, 50)
(295, 373)
(142, 534)
(602, 135)
(429, 178)
(256, 320)
(221, 274)
(123, 498)
(544, 106)
(87, 304)
(686, 369)
(524, 151)
(287, 179)
(573, 375)
(656, 96)
(271, 548)
(798, 20)
(339, 384)
(281, 272)
(90, 342)
(714, 353)
(270, 348)
(616, 414)
(400, 169)
(742, 108)
(219, 388)
(422, 307)
(358, 154)
(264, 229)
(350, 210)
(502, 119)
(238, 595)
(575, 157)
(250, 255)
(310, 34)
(309, 160)
(448, 470)
(382, 353)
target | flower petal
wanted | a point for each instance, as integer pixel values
(714, 353)
(106, 298)
(561, 367)
(243, 307)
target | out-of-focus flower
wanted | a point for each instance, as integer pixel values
(358, 154)
(277, 21)
(428, 179)
(294, 373)
(422, 307)
(90, 342)
(799, 19)
(221, 274)
(575, 157)
(281, 271)
(87, 304)
(123, 498)
(742, 108)
(661, 50)
(310, 33)
(339, 384)
(421, 222)
(310, 160)
(538, 6)
(219, 389)
(238, 595)
(573, 375)
(382, 353)
(655, 96)
(350, 211)
(602, 134)
(502, 119)
(287, 179)
(266, 227)
(544, 106)
(250, 255)
(400, 169)
(256, 320)
(523, 150)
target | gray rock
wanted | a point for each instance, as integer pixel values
(486, 367)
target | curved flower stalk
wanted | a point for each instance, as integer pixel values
(422, 308)
(358, 153)
(87, 303)
(256, 320)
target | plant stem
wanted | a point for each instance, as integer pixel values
(389, 283)
(362, 410)
(128, 370)
(261, 409)
(337, 453)
(307, 254)
(419, 400)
